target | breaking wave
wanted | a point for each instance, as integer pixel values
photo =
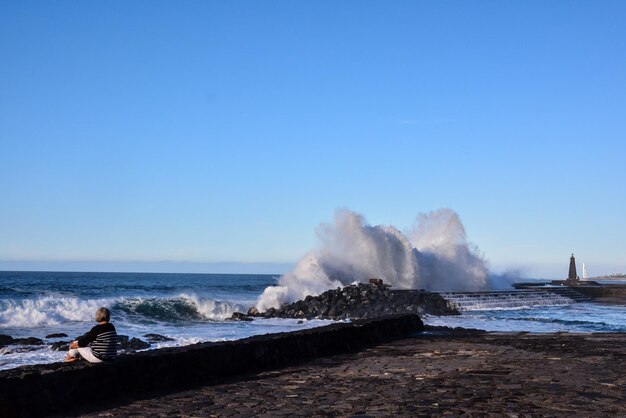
(433, 255)
(185, 307)
(47, 310)
(52, 310)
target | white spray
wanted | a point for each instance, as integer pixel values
(437, 257)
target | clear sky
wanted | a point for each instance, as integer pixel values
(199, 132)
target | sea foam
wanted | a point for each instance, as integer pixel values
(47, 310)
(434, 255)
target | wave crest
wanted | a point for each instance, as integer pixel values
(47, 311)
(52, 310)
(185, 307)
(436, 257)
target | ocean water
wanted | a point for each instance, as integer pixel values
(574, 317)
(189, 308)
(193, 308)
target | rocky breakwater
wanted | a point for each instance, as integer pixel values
(359, 301)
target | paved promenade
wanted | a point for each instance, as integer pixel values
(472, 375)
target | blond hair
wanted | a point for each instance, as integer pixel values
(103, 314)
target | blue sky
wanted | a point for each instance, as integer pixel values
(191, 133)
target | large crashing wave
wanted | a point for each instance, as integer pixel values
(435, 256)
(55, 310)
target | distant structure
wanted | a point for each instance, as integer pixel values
(572, 276)
(584, 272)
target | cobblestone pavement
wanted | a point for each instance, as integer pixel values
(481, 375)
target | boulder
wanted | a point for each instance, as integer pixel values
(5, 340)
(132, 344)
(238, 316)
(122, 341)
(59, 335)
(157, 338)
(137, 344)
(28, 341)
(60, 345)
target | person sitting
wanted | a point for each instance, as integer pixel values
(97, 345)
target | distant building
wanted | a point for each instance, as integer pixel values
(572, 276)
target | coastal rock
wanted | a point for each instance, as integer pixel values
(60, 345)
(361, 301)
(5, 340)
(132, 344)
(238, 316)
(157, 338)
(28, 341)
(58, 335)
(137, 344)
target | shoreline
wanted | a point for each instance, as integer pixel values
(435, 372)
(40, 390)
(454, 372)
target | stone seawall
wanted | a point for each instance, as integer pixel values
(45, 389)
(614, 293)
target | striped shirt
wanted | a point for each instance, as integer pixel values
(103, 341)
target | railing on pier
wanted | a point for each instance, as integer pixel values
(518, 299)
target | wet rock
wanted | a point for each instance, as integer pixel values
(60, 345)
(137, 344)
(5, 340)
(132, 344)
(122, 342)
(58, 335)
(253, 311)
(157, 338)
(238, 316)
(28, 341)
(362, 301)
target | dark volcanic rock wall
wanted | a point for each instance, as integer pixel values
(362, 301)
(45, 389)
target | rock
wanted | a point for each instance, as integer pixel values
(59, 335)
(156, 338)
(5, 340)
(60, 345)
(137, 344)
(28, 341)
(132, 344)
(122, 341)
(253, 311)
(359, 301)
(238, 316)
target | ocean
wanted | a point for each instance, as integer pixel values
(191, 308)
